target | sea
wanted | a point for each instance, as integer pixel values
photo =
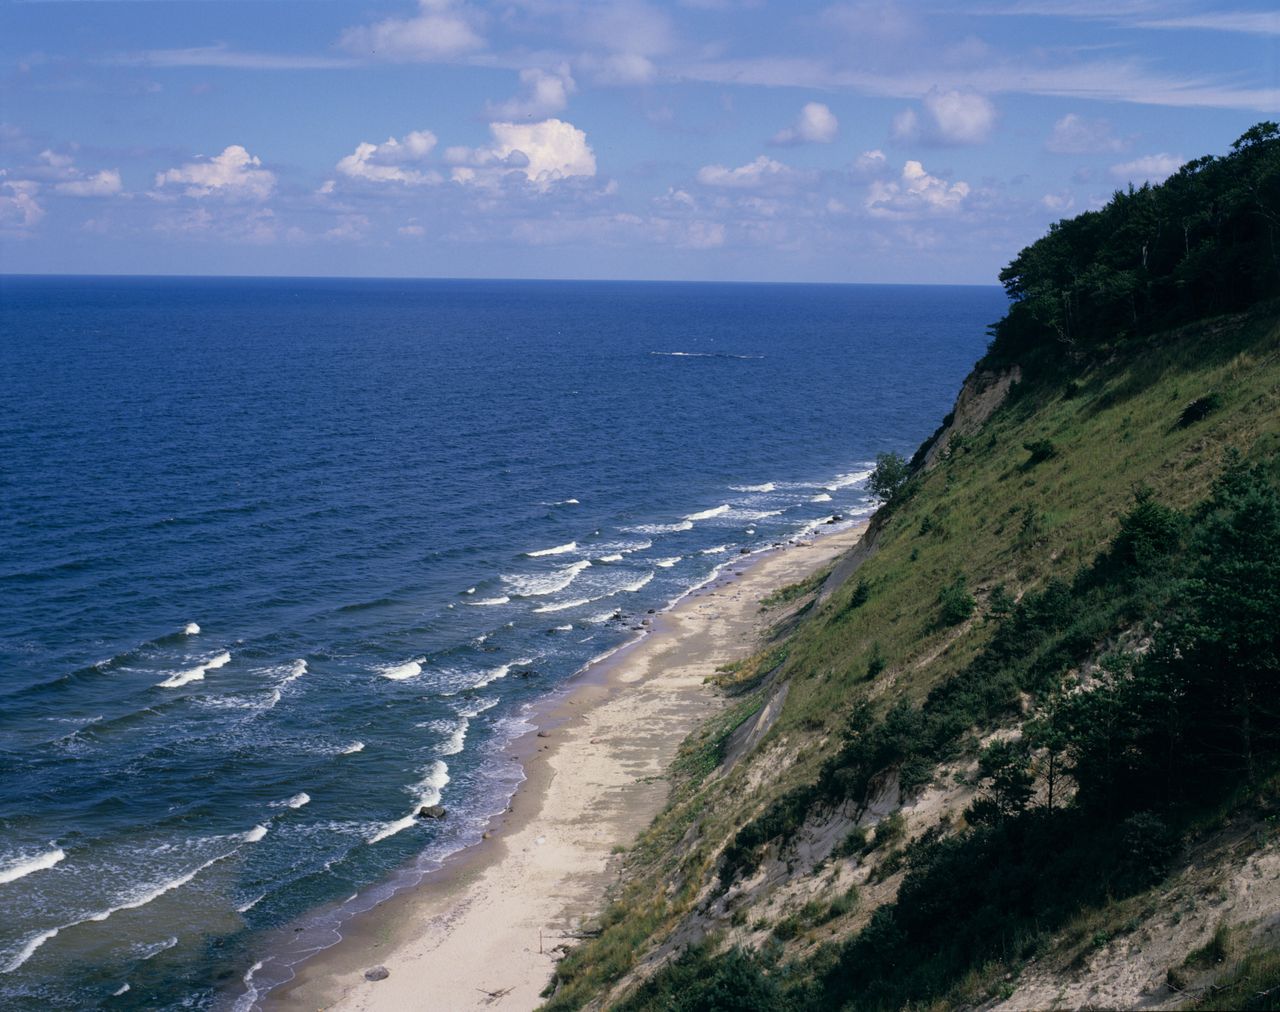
(284, 560)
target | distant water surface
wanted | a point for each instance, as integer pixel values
(283, 560)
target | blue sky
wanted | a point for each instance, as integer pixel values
(702, 139)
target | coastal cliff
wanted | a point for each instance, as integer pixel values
(1019, 747)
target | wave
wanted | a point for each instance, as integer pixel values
(255, 834)
(491, 601)
(131, 901)
(297, 801)
(717, 511)
(30, 865)
(704, 354)
(148, 950)
(563, 502)
(191, 629)
(563, 628)
(741, 514)
(821, 497)
(668, 563)
(122, 989)
(353, 748)
(457, 737)
(715, 551)
(572, 546)
(296, 671)
(536, 585)
(503, 670)
(852, 478)
(565, 605)
(195, 674)
(631, 588)
(683, 525)
(615, 557)
(399, 672)
(478, 707)
(427, 792)
(768, 486)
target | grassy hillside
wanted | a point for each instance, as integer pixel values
(1043, 689)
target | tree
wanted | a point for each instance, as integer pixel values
(889, 477)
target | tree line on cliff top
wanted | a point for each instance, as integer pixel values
(1202, 243)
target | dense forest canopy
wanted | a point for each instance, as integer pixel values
(1201, 243)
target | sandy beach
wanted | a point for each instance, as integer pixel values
(486, 930)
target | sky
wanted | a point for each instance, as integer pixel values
(748, 140)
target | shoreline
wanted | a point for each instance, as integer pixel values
(486, 929)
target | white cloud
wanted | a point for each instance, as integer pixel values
(545, 153)
(234, 174)
(386, 162)
(905, 126)
(101, 184)
(416, 231)
(1075, 135)
(19, 209)
(761, 172)
(870, 163)
(1058, 203)
(1149, 168)
(440, 31)
(960, 117)
(619, 68)
(816, 124)
(543, 94)
(915, 194)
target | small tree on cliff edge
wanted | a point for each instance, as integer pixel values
(890, 475)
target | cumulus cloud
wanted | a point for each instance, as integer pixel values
(544, 153)
(19, 209)
(101, 184)
(1149, 168)
(1058, 203)
(816, 124)
(389, 161)
(235, 175)
(1075, 135)
(870, 163)
(441, 30)
(950, 117)
(542, 93)
(761, 172)
(915, 194)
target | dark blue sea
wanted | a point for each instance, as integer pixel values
(283, 560)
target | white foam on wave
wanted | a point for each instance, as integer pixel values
(538, 584)
(715, 551)
(123, 989)
(631, 588)
(564, 628)
(683, 525)
(426, 793)
(25, 866)
(478, 707)
(741, 514)
(502, 670)
(852, 478)
(572, 546)
(492, 600)
(768, 486)
(195, 674)
(821, 497)
(399, 672)
(191, 629)
(668, 563)
(564, 605)
(564, 502)
(255, 834)
(299, 799)
(353, 748)
(457, 737)
(296, 671)
(615, 557)
(715, 511)
(470, 590)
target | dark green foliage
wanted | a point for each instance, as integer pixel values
(1040, 450)
(1200, 409)
(889, 477)
(876, 662)
(852, 845)
(955, 603)
(1007, 767)
(701, 981)
(1001, 603)
(1148, 532)
(1201, 243)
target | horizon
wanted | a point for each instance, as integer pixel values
(724, 140)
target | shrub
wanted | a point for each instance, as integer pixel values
(956, 603)
(1199, 409)
(1040, 450)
